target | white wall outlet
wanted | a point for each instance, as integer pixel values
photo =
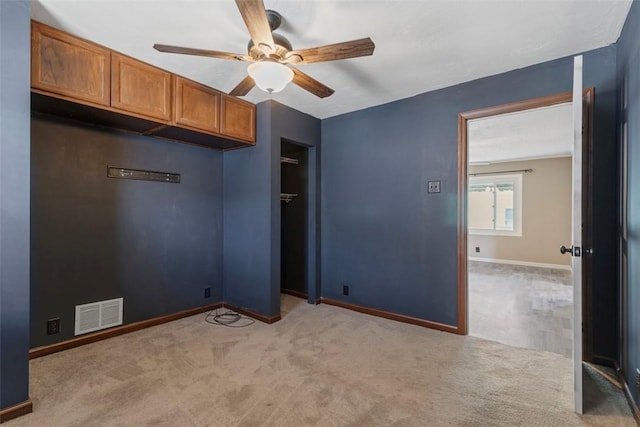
(433, 186)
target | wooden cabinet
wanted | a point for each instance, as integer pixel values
(238, 119)
(140, 88)
(79, 80)
(196, 106)
(68, 66)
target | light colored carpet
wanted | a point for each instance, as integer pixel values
(522, 306)
(318, 366)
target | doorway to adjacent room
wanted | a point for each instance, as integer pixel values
(519, 196)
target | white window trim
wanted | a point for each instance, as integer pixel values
(517, 204)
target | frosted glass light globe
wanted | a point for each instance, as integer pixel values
(270, 76)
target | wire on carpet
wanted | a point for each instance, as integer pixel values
(228, 318)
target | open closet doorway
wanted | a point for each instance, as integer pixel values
(294, 196)
(519, 196)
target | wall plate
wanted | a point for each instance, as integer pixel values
(433, 186)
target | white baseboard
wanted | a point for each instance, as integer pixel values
(525, 263)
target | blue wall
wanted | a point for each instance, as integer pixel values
(247, 246)
(94, 238)
(15, 39)
(252, 208)
(629, 68)
(394, 244)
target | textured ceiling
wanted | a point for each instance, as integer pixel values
(420, 45)
(532, 134)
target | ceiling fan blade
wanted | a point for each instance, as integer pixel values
(201, 52)
(332, 52)
(243, 87)
(255, 18)
(310, 84)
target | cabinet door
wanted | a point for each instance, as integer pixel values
(196, 106)
(238, 118)
(140, 88)
(65, 65)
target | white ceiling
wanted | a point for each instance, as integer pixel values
(420, 45)
(526, 135)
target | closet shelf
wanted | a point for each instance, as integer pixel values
(289, 160)
(287, 197)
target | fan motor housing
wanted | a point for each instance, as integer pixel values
(283, 46)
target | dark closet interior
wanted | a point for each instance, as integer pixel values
(293, 199)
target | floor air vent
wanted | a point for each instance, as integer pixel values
(98, 315)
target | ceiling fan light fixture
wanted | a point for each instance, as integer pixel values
(270, 76)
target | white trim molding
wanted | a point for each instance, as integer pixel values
(525, 263)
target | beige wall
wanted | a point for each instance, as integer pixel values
(546, 214)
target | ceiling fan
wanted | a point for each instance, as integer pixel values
(272, 57)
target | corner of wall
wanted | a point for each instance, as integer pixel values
(14, 197)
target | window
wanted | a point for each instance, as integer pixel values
(495, 205)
